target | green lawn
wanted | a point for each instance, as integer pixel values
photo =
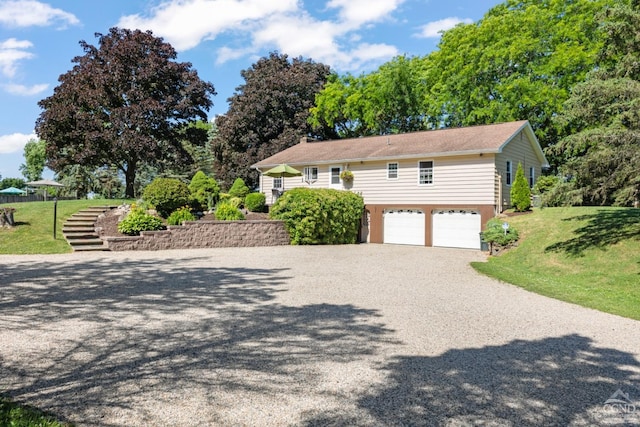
(16, 415)
(585, 255)
(33, 233)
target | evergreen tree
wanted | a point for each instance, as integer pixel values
(520, 191)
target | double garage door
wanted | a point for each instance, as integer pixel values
(454, 228)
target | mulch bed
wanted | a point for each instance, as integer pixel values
(108, 223)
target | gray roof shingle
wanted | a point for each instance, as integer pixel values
(441, 142)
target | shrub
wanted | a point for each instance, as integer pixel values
(167, 195)
(496, 235)
(204, 189)
(319, 216)
(180, 215)
(520, 191)
(235, 201)
(138, 220)
(255, 202)
(228, 212)
(545, 183)
(239, 189)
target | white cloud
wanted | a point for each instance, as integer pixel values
(27, 13)
(21, 90)
(15, 142)
(11, 52)
(435, 28)
(186, 23)
(281, 25)
(354, 13)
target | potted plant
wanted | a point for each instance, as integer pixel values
(346, 175)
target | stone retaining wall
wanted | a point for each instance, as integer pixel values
(205, 234)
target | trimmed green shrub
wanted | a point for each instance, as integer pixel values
(520, 191)
(204, 189)
(239, 189)
(167, 195)
(180, 215)
(228, 212)
(319, 216)
(235, 201)
(496, 235)
(138, 220)
(545, 183)
(255, 202)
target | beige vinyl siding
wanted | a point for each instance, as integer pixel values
(518, 150)
(456, 180)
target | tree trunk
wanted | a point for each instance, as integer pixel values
(130, 178)
(6, 217)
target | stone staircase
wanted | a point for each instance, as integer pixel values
(79, 230)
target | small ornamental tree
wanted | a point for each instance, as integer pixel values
(167, 195)
(204, 189)
(520, 191)
(239, 189)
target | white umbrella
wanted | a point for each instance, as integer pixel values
(44, 183)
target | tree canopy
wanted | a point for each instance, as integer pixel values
(126, 103)
(389, 100)
(267, 114)
(518, 62)
(35, 157)
(602, 116)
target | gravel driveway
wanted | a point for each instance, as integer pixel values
(335, 335)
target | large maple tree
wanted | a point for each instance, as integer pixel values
(125, 103)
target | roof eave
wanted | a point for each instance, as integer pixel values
(384, 158)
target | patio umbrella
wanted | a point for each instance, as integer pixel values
(12, 191)
(282, 171)
(44, 183)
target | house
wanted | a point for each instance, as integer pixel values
(431, 188)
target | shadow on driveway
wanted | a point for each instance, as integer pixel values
(554, 381)
(117, 330)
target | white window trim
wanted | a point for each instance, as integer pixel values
(433, 166)
(277, 178)
(397, 171)
(305, 174)
(532, 176)
(508, 175)
(339, 184)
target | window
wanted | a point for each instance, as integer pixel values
(392, 170)
(335, 175)
(426, 172)
(532, 177)
(508, 177)
(310, 174)
(277, 182)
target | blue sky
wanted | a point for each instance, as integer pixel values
(38, 40)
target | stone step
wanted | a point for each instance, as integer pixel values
(89, 234)
(100, 248)
(85, 242)
(79, 222)
(90, 215)
(78, 229)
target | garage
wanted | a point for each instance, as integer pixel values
(456, 228)
(404, 227)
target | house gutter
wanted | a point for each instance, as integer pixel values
(383, 158)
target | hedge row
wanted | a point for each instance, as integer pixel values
(319, 216)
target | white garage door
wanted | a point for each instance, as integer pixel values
(404, 226)
(456, 228)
